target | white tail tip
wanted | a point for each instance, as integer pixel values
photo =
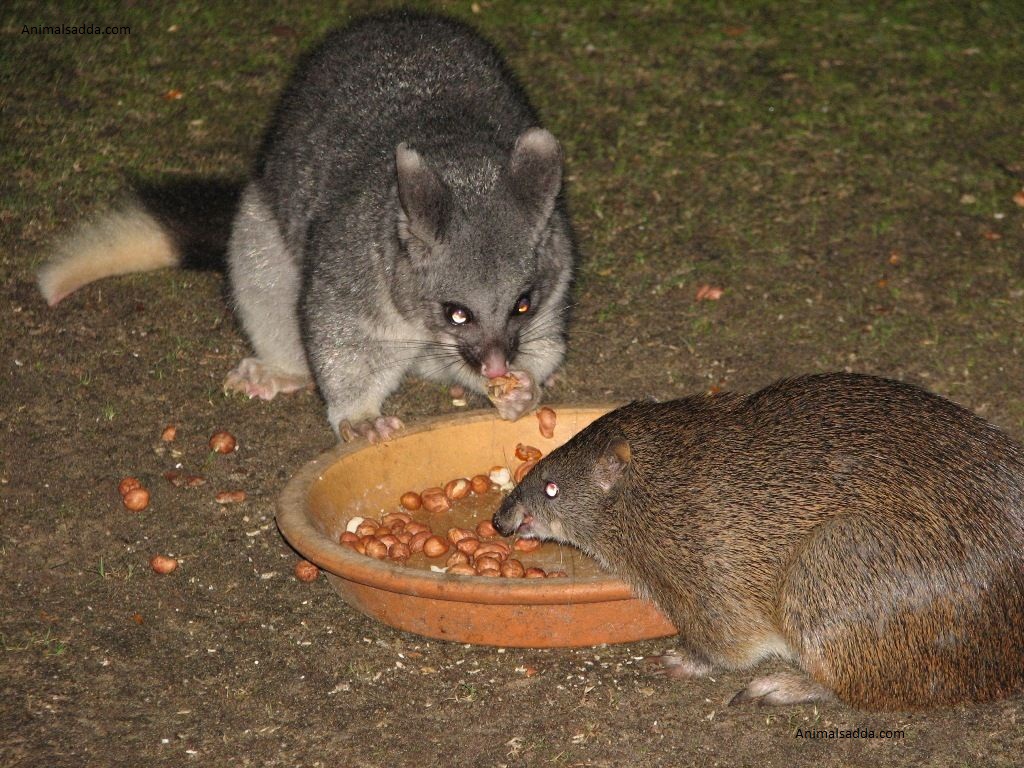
(122, 242)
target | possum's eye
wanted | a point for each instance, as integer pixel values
(522, 305)
(457, 314)
(550, 489)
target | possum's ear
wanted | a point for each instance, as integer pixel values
(535, 172)
(612, 461)
(423, 195)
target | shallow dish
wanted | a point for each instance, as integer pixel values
(366, 480)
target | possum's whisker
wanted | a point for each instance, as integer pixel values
(446, 366)
(443, 355)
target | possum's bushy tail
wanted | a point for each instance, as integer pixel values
(178, 224)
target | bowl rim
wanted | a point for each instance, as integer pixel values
(293, 517)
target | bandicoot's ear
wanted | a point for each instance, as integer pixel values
(535, 173)
(423, 195)
(612, 461)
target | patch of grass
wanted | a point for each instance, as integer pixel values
(50, 645)
(104, 570)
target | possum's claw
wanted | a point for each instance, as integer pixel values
(254, 378)
(375, 430)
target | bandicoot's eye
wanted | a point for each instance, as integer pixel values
(457, 315)
(522, 305)
(550, 489)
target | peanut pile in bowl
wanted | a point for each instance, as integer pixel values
(447, 528)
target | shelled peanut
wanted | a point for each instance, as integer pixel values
(475, 550)
(479, 551)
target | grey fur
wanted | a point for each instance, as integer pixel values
(403, 169)
(266, 278)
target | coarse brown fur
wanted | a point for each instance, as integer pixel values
(869, 531)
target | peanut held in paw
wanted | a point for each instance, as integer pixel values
(501, 386)
(513, 394)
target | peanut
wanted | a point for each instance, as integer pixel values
(399, 552)
(526, 545)
(487, 564)
(393, 517)
(528, 453)
(136, 500)
(485, 529)
(469, 545)
(367, 528)
(512, 569)
(498, 549)
(455, 535)
(456, 558)
(229, 497)
(523, 470)
(546, 420)
(162, 564)
(376, 549)
(457, 489)
(306, 571)
(434, 501)
(223, 442)
(435, 546)
(128, 484)
(411, 501)
(417, 541)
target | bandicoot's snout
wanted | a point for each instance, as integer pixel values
(510, 515)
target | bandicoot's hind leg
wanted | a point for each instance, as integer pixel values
(786, 687)
(782, 688)
(886, 623)
(265, 280)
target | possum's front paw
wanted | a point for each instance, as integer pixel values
(513, 394)
(254, 378)
(374, 430)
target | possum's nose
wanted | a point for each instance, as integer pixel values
(494, 364)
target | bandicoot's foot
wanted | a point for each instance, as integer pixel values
(782, 688)
(678, 666)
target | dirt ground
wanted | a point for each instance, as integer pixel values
(846, 175)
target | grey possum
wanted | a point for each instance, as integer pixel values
(866, 530)
(404, 216)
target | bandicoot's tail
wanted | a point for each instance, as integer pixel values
(178, 224)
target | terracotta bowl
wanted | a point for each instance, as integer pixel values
(365, 480)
